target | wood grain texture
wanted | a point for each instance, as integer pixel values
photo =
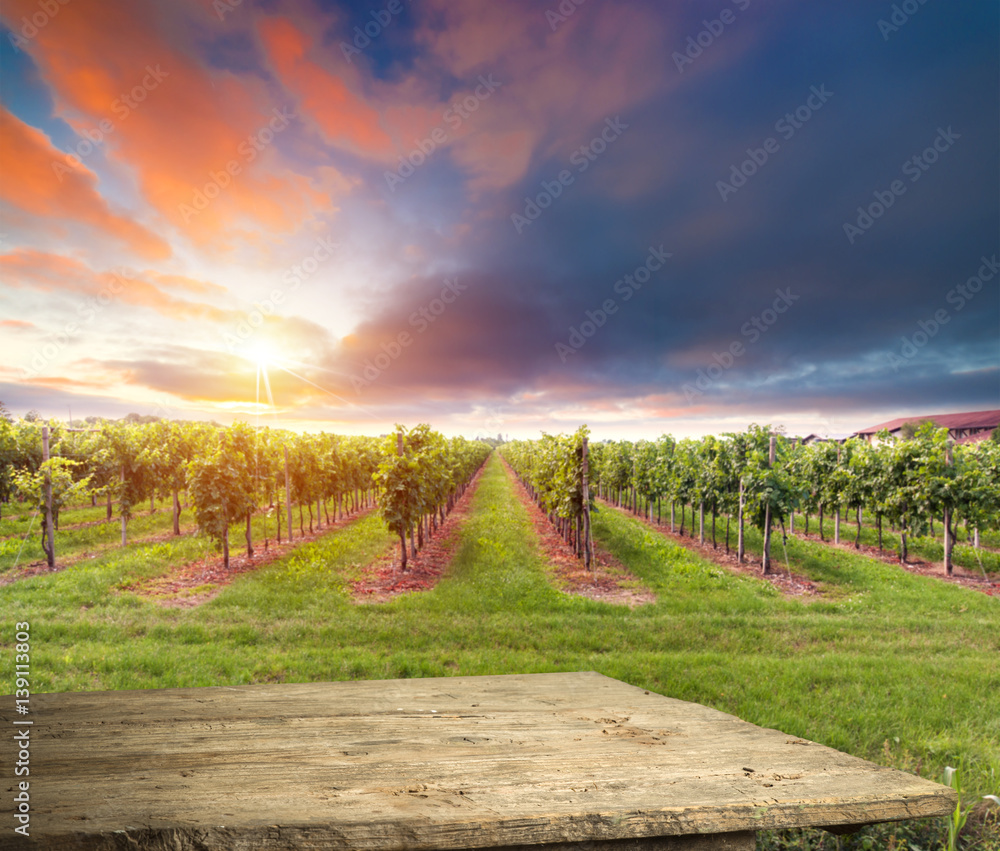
(449, 763)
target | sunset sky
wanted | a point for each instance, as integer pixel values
(501, 216)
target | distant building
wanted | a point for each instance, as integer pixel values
(962, 428)
(824, 438)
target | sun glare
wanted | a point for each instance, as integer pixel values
(261, 354)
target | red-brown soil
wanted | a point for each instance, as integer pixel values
(385, 579)
(609, 581)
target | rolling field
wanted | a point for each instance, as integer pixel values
(900, 669)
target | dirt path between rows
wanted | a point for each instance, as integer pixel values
(197, 582)
(384, 578)
(609, 582)
(790, 584)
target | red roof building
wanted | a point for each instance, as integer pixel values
(962, 428)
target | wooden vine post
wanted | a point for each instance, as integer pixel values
(288, 495)
(587, 540)
(402, 529)
(635, 498)
(766, 558)
(836, 517)
(947, 518)
(50, 550)
(740, 542)
(791, 514)
(124, 521)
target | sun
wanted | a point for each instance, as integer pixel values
(261, 354)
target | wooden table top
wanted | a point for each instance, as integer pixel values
(451, 763)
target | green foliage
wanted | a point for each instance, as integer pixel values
(909, 430)
(65, 488)
(552, 470)
(131, 476)
(908, 483)
(221, 483)
(419, 474)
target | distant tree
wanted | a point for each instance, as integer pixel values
(909, 430)
(5, 413)
(32, 417)
(139, 419)
(995, 436)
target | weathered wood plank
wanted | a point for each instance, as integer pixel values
(450, 763)
(717, 842)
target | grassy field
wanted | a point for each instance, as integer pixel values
(895, 668)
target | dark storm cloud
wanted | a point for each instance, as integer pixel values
(854, 120)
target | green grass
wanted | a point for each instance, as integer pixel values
(22, 546)
(70, 543)
(882, 657)
(927, 547)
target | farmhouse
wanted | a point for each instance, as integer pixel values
(969, 427)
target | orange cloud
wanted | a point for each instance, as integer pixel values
(344, 119)
(64, 383)
(182, 282)
(53, 273)
(33, 184)
(177, 124)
